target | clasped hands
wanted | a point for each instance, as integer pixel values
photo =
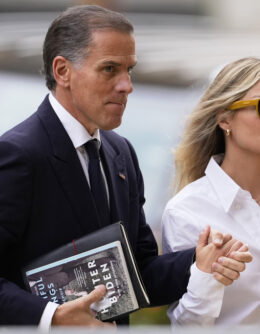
(216, 253)
(221, 255)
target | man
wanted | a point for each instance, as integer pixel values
(48, 197)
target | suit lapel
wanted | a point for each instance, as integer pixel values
(68, 170)
(117, 180)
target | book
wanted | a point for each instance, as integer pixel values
(75, 269)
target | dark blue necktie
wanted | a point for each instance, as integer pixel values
(97, 182)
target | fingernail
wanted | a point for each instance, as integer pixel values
(220, 260)
(214, 266)
(214, 275)
(217, 241)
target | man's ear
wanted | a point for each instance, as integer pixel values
(61, 71)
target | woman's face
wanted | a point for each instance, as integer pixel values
(244, 126)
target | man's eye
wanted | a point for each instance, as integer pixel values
(109, 69)
(130, 70)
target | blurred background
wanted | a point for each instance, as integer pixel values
(181, 45)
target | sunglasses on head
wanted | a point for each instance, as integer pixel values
(245, 103)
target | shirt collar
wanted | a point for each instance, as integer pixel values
(75, 130)
(226, 189)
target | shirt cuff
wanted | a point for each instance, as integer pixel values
(46, 319)
(205, 293)
(204, 283)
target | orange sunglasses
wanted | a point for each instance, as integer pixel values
(245, 103)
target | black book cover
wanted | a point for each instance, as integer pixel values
(73, 270)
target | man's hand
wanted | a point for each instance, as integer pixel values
(207, 252)
(78, 312)
(218, 238)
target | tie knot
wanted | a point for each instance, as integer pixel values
(92, 149)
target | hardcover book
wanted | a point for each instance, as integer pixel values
(75, 269)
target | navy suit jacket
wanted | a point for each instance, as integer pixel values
(45, 202)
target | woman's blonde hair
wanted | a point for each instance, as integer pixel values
(202, 136)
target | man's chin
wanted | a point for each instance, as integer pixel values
(112, 126)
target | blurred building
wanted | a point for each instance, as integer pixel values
(179, 42)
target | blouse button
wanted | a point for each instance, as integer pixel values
(237, 206)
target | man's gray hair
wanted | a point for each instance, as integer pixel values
(70, 35)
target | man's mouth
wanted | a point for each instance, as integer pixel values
(121, 103)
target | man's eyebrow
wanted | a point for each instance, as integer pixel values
(114, 63)
(111, 62)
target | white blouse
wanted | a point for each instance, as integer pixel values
(215, 200)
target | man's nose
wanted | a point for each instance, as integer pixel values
(124, 84)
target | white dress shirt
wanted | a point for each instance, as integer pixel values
(79, 136)
(215, 200)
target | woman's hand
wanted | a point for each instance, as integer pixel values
(225, 259)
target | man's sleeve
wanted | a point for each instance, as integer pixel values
(46, 318)
(166, 276)
(17, 306)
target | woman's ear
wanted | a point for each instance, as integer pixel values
(61, 71)
(224, 121)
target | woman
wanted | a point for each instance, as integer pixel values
(218, 184)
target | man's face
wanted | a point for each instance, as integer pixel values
(98, 89)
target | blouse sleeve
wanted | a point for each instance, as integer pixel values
(202, 302)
